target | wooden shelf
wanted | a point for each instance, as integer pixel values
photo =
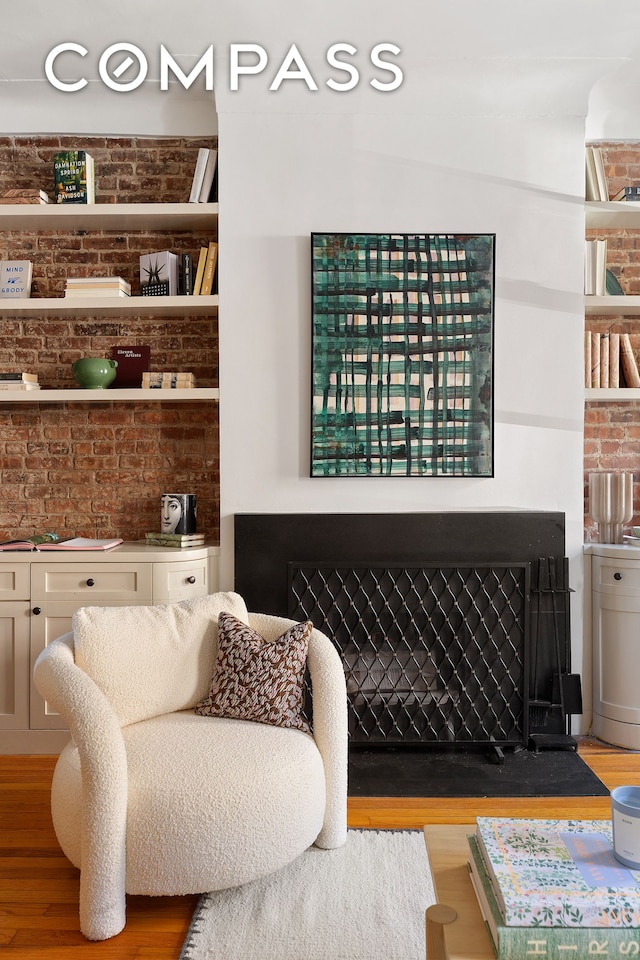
(103, 306)
(607, 394)
(613, 306)
(119, 217)
(77, 395)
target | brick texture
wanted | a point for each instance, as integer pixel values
(612, 429)
(96, 469)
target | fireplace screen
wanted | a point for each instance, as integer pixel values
(432, 653)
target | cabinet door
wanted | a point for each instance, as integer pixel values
(14, 665)
(616, 657)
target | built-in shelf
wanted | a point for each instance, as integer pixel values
(78, 395)
(613, 214)
(604, 394)
(107, 216)
(613, 306)
(103, 306)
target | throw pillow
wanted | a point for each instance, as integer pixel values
(258, 680)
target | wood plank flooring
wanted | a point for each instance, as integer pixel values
(39, 887)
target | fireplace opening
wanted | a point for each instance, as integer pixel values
(433, 653)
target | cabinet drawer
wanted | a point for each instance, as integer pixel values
(14, 581)
(87, 583)
(617, 577)
(180, 580)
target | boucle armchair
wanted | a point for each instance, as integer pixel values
(151, 798)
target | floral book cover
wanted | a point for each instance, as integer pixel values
(549, 873)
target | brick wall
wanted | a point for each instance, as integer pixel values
(92, 469)
(612, 429)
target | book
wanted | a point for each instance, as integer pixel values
(50, 541)
(595, 278)
(73, 175)
(18, 385)
(24, 195)
(557, 873)
(627, 193)
(208, 181)
(97, 286)
(597, 187)
(628, 362)
(132, 363)
(209, 269)
(181, 541)
(202, 259)
(167, 380)
(614, 359)
(512, 941)
(185, 275)
(159, 274)
(198, 175)
(15, 279)
(604, 360)
(18, 375)
(81, 543)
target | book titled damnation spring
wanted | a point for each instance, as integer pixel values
(73, 173)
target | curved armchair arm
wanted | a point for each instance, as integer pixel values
(97, 735)
(329, 692)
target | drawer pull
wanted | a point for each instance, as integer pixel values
(91, 582)
(617, 576)
(36, 611)
(191, 579)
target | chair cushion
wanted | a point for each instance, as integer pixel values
(213, 803)
(258, 680)
(151, 660)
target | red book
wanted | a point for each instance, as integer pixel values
(132, 363)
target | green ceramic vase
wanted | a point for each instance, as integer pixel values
(94, 373)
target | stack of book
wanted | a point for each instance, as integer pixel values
(181, 540)
(553, 888)
(24, 195)
(204, 176)
(18, 380)
(97, 287)
(610, 359)
(168, 381)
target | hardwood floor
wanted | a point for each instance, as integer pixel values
(39, 887)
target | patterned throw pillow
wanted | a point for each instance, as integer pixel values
(258, 680)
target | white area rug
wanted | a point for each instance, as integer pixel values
(364, 901)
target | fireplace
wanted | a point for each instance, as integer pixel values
(440, 619)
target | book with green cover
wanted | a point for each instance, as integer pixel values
(558, 873)
(552, 943)
(73, 174)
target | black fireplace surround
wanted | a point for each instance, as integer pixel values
(447, 627)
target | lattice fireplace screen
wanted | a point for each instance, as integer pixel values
(432, 653)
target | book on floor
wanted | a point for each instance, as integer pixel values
(556, 873)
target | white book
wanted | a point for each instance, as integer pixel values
(209, 174)
(15, 279)
(198, 174)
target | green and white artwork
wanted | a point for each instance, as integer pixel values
(402, 355)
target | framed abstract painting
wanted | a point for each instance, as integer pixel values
(402, 363)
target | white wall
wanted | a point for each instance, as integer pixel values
(486, 134)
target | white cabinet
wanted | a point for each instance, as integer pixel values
(39, 593)
(615, 573)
